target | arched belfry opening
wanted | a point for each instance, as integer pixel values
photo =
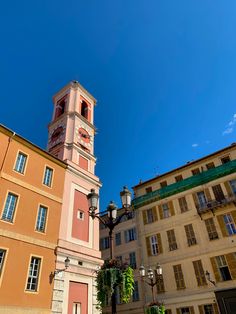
(60, 107)
(84, 109)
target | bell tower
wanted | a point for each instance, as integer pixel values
(71, 131)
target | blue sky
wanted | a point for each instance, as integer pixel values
(163, 72)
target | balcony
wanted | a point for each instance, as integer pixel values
(186, 184)
(212, 205)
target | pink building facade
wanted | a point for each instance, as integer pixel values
(71, 139)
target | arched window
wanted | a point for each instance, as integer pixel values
(84, 110)
(60, 108)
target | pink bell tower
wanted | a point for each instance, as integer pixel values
(71, 139)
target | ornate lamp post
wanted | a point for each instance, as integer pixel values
(112, 221)
(150, 275)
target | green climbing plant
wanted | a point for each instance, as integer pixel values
(155, 309)
(112, 274)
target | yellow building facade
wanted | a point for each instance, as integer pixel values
(186, 221)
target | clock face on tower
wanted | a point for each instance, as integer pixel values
(84, 135)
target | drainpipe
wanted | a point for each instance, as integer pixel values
(8, 145)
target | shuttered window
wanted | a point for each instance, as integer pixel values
(229, 224)
(208, 309)
(171, 240)
(211, 229)
(218, 193)
(185, 310)
(179, 278)
(183, 204)
(199, 273)
(223, 267)
(160, 284)
(191, 239)
(154, 244)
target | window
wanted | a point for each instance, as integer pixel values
(76, 308)
(206, 309)
(130, 235)
(183, 204)
(190, 235)
(2, 258)
(41, 218)
(217, 190)
(118, 238)
(195, 171)
(60, 107)
(33, 276)
(229, 224)
(211, 229)
(135, 292)
(132, 260)
(84, 110)
(225, 159)
(185, 310)
(179, 178)
(199, 273)
(179, 278)
(154, 245)
(80, 215)
(48, 176)
(20, 163)
(201, 198)
(233, 185)
(160, 284)
(223, 268)
(104, 243)
(149, 189)
(10, 206)
(210, 165)
(166, 210)
(171, 240)
(149, 214)
(163, 184)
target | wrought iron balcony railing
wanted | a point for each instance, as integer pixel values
(211, 205)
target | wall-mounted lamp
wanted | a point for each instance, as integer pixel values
(208, 277)
(67, 263)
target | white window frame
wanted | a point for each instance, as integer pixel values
(229, 224)
(47, 180)
(31, 276)
(9, 207)
(166, 210)
(154, 244)
(20, 164)
(41, 219)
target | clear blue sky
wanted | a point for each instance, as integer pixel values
(163, 72)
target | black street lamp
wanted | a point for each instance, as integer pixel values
(112, 221)
(150, 275)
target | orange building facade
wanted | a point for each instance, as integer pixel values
(31, 193)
